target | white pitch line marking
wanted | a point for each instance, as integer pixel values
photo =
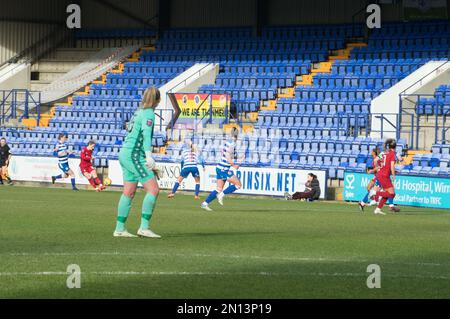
(303, 259)
(185, 273)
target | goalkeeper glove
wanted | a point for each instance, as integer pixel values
(150, 161)
(157, 173)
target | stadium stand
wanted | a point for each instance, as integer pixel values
(438, 104)
(434, 164)
(57, 63)
(85, 72)
(310, 87)
(98, 38)
(102, 118)
(322, 111)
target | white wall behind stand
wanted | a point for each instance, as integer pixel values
(15, 76)
(17, 36)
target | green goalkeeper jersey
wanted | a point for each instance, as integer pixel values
(140, 132)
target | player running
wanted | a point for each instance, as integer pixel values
(5, 158)
(386, 170)
(62, 151)
(189, 161)
(390, 201)
(138, 166)
(373, 182)
(87, 169)
(224, 173)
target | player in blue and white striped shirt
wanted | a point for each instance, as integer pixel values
(189, 161)
(224, 172)
(62, 151)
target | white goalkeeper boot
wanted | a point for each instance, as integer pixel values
(147, 233)
(123, 234)
(378, 212)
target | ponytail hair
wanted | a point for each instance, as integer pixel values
(376, 151)
(151, 98)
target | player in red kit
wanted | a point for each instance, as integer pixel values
(87, 169)
(386, 170)
(373, 182)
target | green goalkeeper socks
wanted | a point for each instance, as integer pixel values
(147, 210)
(123, 211)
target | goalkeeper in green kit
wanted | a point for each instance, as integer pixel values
(138, 166)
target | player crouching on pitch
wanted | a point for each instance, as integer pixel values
(138, 166)
(87, 169)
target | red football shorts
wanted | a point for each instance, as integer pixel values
(87, 169)
(385, 182)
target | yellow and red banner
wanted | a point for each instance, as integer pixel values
(192, 105)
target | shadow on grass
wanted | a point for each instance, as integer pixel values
(216, 234)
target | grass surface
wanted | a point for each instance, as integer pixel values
(250, 248)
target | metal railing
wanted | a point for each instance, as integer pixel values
(438, 112)
(184, 82)
(445, 128)
(12, 100)
(420, 81)
(411, 112)
(389, 124)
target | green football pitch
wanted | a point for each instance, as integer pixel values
(249, 248)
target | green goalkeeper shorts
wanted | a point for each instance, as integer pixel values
(134, 167)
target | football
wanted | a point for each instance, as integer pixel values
(106, 181)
